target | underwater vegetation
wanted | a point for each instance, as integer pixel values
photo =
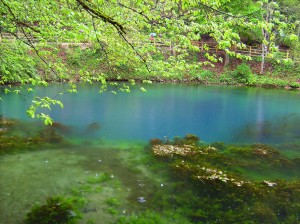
(192, 182)
(16, 136)
(221, 183)
(56, 210)
(287, 128)
(148, 217)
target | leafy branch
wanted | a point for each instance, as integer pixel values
(40, 103)
(91, 9)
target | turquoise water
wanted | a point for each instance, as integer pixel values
(227, 114)
(106, 134)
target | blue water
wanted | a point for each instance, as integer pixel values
(139, 182)
(214, 113)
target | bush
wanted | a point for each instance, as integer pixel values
(243, 74)
(207, 75)
(227, 78)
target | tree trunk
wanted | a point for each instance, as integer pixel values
(262, 64)
(226, 59)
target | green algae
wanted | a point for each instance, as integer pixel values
(56, 210)
(99, 178)
(180, 180)
(150, 217)
(217, 185)
(17, 136)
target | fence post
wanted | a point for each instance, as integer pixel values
(287, 54)
(250, 50)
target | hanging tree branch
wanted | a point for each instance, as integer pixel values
(135, 11)
(28, 39)
(96, 13)
(226, 13)
(102, 45)
(17, 21)
(119, 27)
(135, 50)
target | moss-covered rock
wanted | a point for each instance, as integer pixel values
(16, 136)
(56, 210)
(232, 183)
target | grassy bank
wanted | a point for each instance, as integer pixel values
(237, 72)
(86, 63)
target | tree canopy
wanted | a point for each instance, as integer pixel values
(120, 31)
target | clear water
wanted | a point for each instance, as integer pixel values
(109, 132)
(214, 113)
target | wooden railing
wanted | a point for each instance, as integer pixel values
(212, 47)
(8, 36)
(34, 40)
(248, 50)
(204, 46)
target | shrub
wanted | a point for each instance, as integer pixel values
(202, 75)
(227, 78)
(206, 75)
(243, 74)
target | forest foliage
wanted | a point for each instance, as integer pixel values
(117, 34)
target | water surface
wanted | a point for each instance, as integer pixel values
(106, 134)
(214, 113)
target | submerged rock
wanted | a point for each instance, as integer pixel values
(92, 127)
(3, 130)
(229, 181)
(168, 150)
(191, 138)
(141, 199)
(61, 127)
(156, 141)
(269, 184)
(6, 121)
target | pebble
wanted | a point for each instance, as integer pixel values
(141, 199)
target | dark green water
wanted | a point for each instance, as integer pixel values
(106, 134)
